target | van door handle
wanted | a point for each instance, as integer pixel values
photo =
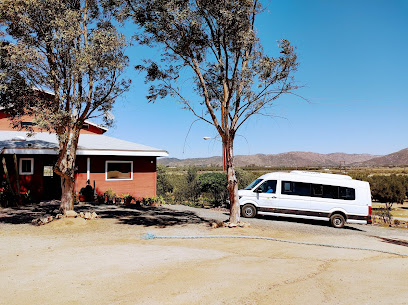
(273, 197)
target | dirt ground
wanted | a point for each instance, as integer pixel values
(105, 261)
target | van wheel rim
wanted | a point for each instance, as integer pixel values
(337, 222)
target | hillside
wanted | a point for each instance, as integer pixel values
(289, 159)
(399, 158)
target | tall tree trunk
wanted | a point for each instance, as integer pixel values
(232, 184)
(67, 197)
(65, 168)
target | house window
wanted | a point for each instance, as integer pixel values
(48, 171)
(119, 170)
(26, 166)
(27, 124)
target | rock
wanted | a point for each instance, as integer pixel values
(213, 225)
(71, 213)
(94, 215)
(59, 216)
(232, 225)
(244, 225)
(42, 220)
(87, 215)
(81, 214)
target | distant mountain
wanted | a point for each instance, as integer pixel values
(398, 158)
(289, 159)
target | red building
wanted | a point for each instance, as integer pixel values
(110, 163)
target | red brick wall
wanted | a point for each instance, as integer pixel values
(142, 185)
(32, 183)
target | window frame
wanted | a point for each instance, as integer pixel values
(266, 182)
(118, 179)
(324, 188)
(20, 167)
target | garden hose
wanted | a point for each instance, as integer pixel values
(153, 236)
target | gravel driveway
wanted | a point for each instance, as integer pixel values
(105, 261)
(312, 229)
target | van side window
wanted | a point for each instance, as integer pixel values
(296, 188)
(318, 190)
(269, 186)
(347, 193)
(330, 191)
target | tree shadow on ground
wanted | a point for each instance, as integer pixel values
(145, 216)
(25, 214)
(129, 215)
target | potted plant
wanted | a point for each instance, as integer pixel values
(81, 196)
(86, 193)
(138, 201)
(109, 195)
(101, 198)
(127, 198)
(117, 200)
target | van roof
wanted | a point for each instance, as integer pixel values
(308, 174)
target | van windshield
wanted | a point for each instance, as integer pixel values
(253, 184)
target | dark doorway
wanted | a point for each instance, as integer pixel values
(51, 183)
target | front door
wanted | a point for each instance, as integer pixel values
(266, 195)
(51, 184)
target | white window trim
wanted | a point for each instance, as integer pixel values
(114, 161)
(21, 167)
(88, 169)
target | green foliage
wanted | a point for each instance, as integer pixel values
(211, 48)
(244, 177)
(388, 189)
(216, 185)
(110, 195)
(153, 201)
(192, 185)
(187, 187)
(73, 56)
(163, 183)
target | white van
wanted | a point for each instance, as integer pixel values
(335, 198)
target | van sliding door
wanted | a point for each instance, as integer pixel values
(295, 196)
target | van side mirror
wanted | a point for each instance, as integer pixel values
(258, 190)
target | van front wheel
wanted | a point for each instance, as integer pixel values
(337, 220)
(248, 211)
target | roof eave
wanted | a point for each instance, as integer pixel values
(87, 152)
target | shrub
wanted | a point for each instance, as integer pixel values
(214, 184)
(164, 185)
(388, 189)
(244, 178)
(88, 192)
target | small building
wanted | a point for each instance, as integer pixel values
(109, 163)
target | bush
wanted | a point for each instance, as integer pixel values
(163, 183)
(388, 189)
(244, 178)
(214, 184)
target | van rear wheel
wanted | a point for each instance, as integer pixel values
(337, 220)
(248, 211)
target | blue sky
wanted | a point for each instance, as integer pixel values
(353, 69)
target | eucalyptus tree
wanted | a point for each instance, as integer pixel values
(215, 44)
(73, 57)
